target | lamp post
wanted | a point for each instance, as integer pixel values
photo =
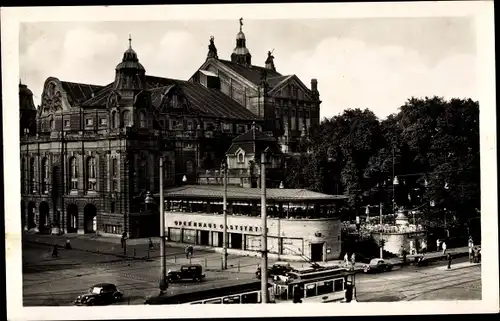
(264, 226)
(224, 211)
(381, 234)
(163, 268)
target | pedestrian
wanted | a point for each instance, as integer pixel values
(68, 245)
(404, 256)
(471, 242)
(449, 261)
(124, 239)
(474, 255)
(444, 247)
(423, 245)
(55, 252)
(353, 260)
(438, 245)
(346, 258)
(471, 254)
(189, 251)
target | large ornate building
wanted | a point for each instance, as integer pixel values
(89, 153)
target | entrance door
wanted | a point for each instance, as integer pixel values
(204, 237)
(317, 252)
(236, 241)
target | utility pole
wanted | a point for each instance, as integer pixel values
(393, 186)
(263, 268)
(163, 273)
(381, 235)
(224, 209)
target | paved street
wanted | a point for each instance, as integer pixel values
(436, 282)
(57, 281)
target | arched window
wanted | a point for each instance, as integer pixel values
(23, 175)
(142, 119)
(126, 118)
(45, 176)
(113, 119)
(73, 173)
(189, 167)
(32, 175)
(241, 158)
(52, 124)
(91, 174)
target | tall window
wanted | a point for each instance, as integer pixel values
(73, 173)
(114, 174)
(126, 118)
(45, 176)
(113, 119)
(292, 120)
(32, 175)
(189, 167)
(91, 174)
(23, 175)
(142, 119)
(143, 174)
(167, 171)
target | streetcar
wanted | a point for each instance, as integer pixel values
(323, 285)
(243, 291)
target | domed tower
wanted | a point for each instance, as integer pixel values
(241, 54)
(129, 100)
(130, 74)
(27, 111)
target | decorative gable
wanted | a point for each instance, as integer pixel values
(54, 98)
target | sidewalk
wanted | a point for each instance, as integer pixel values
(457, 266)
(138, 249)
(438, 255)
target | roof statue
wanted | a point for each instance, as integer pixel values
(212, 50)
(270, 60)
(241, 24)
(129, 41)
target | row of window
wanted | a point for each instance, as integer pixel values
(90, 174)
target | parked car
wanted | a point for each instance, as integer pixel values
(186, 272)
(377, 265)
(100, 294)
(278, 268)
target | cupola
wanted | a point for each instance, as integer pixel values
(241, 54)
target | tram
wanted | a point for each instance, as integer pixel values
(316, 286)
(247, 291)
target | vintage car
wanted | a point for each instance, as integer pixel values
(186, 272)
(100, 294)
(278, 268)
(377, 265)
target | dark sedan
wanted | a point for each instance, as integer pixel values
(100, 294)
(377, 265)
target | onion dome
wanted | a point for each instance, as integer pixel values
(130, 60)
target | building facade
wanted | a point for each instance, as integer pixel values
(90, 153)
(287, 106)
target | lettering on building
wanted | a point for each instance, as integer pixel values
(246, 228)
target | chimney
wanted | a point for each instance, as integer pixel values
(314, 84)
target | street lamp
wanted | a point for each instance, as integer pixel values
(224, 210)
(163, 269)
(148, 199)
(264, 280)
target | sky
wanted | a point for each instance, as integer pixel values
(374, 63)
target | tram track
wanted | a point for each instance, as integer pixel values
(412, 288)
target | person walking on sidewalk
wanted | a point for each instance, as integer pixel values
(189, 251)
(346, 259)
(68, 245)
(471, 247)
(403, 254)
(449, 261)
(438, 245)
(55, 251)
(353, 260)
(444, 247)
